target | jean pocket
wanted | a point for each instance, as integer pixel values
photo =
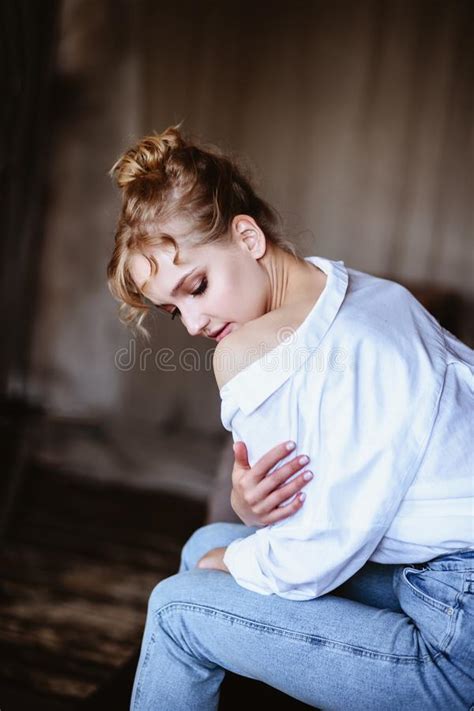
(430, 587)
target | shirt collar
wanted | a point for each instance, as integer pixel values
(255, 383)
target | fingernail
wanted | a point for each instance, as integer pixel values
(290, 446)
(303, 460)
(302, 496)
(307, 476)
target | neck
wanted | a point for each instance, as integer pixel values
(290, 278)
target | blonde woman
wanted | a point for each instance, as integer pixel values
(359, 596)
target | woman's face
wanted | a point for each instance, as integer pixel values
(215, 287)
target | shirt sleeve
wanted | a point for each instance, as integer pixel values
(365, 427)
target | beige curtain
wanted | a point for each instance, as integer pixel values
(355, 116)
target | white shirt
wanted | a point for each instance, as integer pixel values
(380, 397)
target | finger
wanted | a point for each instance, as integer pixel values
(241, 454)
(271, 458)
(209, 559)
(284, 492)
(206, 562)
(241, 462)
(202, 562)
(278, 477)
(279, 514)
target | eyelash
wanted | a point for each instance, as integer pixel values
(200, 290)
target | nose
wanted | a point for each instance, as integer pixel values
(195, 323)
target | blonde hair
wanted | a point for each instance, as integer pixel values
(164, 176)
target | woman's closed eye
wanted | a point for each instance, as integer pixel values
(197, 292)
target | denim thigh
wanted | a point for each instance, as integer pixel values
(350, 654)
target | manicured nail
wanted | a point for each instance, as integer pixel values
(307, 476)
(302, 496)
(290, 446)
(303, 460)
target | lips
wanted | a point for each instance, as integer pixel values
(223, 332)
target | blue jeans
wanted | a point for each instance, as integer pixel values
(393, 637)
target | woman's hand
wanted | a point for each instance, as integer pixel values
(214, 559)
(256, 497)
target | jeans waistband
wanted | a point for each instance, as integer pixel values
(457, 560)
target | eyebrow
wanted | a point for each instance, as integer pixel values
(181, 282)
(177, 287)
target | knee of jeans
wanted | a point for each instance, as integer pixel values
(200, 542)
(165, 592)
(182, 588)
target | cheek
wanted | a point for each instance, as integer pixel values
(242, 295)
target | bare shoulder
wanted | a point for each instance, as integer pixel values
(253, 340)
(231, 354)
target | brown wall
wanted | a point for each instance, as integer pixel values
(356, 116)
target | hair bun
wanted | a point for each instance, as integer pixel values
(147, 157)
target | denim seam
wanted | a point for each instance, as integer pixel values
(143, 669)
(299, 636)
(452, 628)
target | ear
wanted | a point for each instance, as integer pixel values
(248, 235)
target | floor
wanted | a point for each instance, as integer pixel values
(79, 561)
(77, 567)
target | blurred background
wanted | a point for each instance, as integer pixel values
(356, 119)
